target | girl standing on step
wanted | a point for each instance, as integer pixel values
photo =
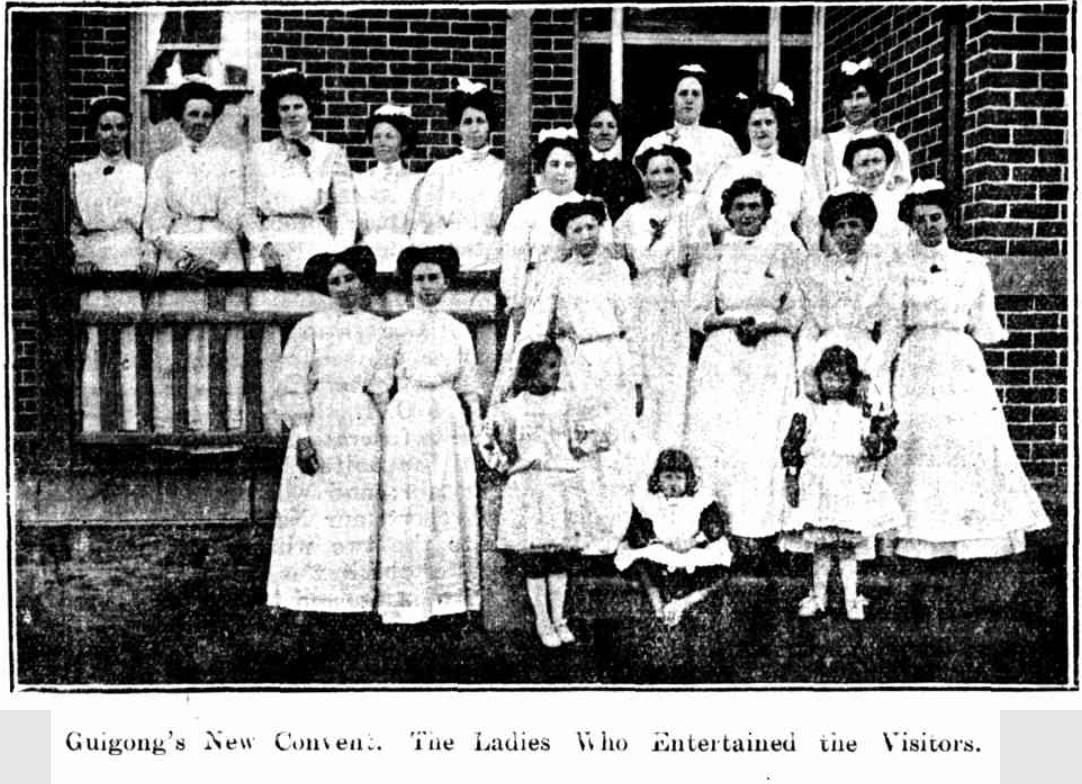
(833, 481)
(535, 439)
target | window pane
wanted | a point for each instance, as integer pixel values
(796, 21)
(698, 19)
(796, 73)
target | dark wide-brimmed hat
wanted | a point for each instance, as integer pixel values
(568, 211)
(443, 255)
(678, 154)
(358, 258)
(290, 82)
(849, 204)
(193, 90)
(468, 94)
(400, 118)
(103, 105)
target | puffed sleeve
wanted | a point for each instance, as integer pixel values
(900, 169)
(231, 204)
(345, 207)
(640, 531)
(382, 377)
(623, 305)
(703, 301)
(157, 219)
(428, 213)
(297, 378)
(713, 522)
(539, 316)
(983, 323)
(466, 382)
(891, 318)
(76, 227)
(516, 256)
(785, 266)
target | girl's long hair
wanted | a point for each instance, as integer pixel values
(529, 360)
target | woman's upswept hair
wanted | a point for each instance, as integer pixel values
(745, 186)
(529, 361)
(675, 460)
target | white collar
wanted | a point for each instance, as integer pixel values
(475, 155)
(612, 154)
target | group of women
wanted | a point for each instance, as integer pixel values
(621, 264)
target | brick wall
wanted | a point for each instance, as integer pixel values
(24, 191)
(367, 57)
(553, 68)
(1015, 208)
(1016, 130)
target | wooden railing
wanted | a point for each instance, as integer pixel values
(227, 322)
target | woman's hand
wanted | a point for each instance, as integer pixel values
(271, 256)
(85, 268)
(792, 489)
(639, 403)
(148, 261)
(748, 332)
(307, 459)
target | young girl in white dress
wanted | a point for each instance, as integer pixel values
(536, 439)
(676, 540)
(835, 491)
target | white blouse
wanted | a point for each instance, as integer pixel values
(112, 202)
(709, 148)
(783, 177)
(950, 289)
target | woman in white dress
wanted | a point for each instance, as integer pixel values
(665, 239)
(585, 304)
(530, 244)
(323, 557)
(858, 89)
(194, 216)
(300, 203)
(955, 471)
(294, 180)
(460, 200)
(709, 147)
(851, 296)
(429, 551)
(744, 386)
(386, 193)
(767, 118)
(108, 195)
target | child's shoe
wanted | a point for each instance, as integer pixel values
(563, 631)
(811, 605)
(854, 608)
(547, 632)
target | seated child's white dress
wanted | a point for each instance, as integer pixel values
(658, 524)
(843, 497)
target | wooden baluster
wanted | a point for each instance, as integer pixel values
(216, 364)
(144, 377)
(109, 374)
(180, 377)
(253, 377)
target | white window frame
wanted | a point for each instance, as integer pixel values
(142, 59)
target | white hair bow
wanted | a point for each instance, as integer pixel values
(389, 109)
(468, 86)
(849, 67)
(557, 133)
(782, 90)
(694, 68)
(741, 96)
(925, 186)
